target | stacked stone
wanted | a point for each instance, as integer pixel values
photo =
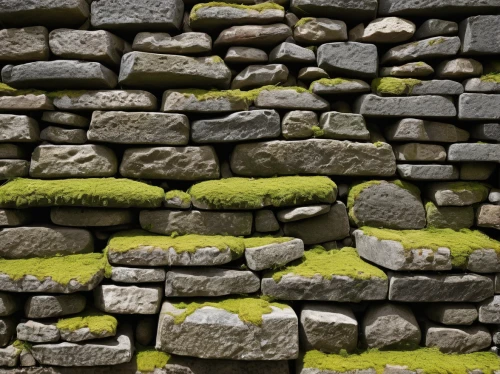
(305, 187)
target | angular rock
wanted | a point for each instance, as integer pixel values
(427, 172)
(315, 156)
(47, 306)
(290, 98)
(9, 356)
(7, 331)
(301, 213)
(66, 119)
(26, 44)
(319, 31)
(36, 332)
(246, 55)
(83, 334)
(357, 11)
(489, 311)
(489, 216)
(139, 128)
(482, 85)
(25, 102)
(441, 8)
(455, 218)
(479, 35)
(176, 163)
(255, 76)
(475, 171)
(273, 255)
(90, 217)
(349, 59)
(438, 47)
(476, 152)
(475, 106)
(8, 304)
(383, 30)
(438, 87)
(420, 152)
(70, 161)
(409, 70)
(253, 36)
(180, 101)
(107, 100)
(457, 339)
(128, 299)
(452, 314)
(457, 194)
(311, 73)
(298, 124)
(265, 221)
(12, 151)
(12, 218)
(18, 129)
(459, 68)
(411, 129)
(10, 169)
(416, 106)
(291, 53)
(137, 275)
(436, 27)
(183, 44)
(343, 126)
(339, 86)
(57, 135)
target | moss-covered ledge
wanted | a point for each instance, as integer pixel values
(86, 326)
(147, 359)
(394, 86)
(193, 17)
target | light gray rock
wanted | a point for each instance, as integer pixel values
(439, 287)
(457, 339)
(245, 55)
(303, 212)
(413, 106)
(18, 129)
(255, 76)
(436, 27)
(494, 196)
(107, 100)
(410, 70)
(183, 44)
(489, 216)
(179, 101)
(8, 304)
(175, 163)
(479, 35)
(100, 45)
(209, 282)
(216, 333)
(319, 31)
(298, 124)
(438, 8)
(83, 334)
(60, 74)
(328, 328)
(477, 152)
(26, 359)
(26, 44)
(36, 332)
(453, 194)
(177, 202)
(92, 217)
(70, 161)
(343, 126)
(476, 106)
(66, 119)
(437, 47)
(383, 30)
(128, 299)
(340, 86)
(12, 151)
(43, 241)
(452, 314)
(489, 311)
(9, 356)
(110, 351)
(428, 172)
(349, 59)
(128, 15)
(57, 135)
(455, 218)
(137, 275)
(47, 306)
(459, 68)
(481, 85)
(315, 156)
(291, 53)
(7, 331)
(139, 128)
(291, 99)
(25, 103)
(253, 36)
(354, 11)
(475, 171)
(411, 129)
(239, 126)
(311, 73)
(10, 169)
(420, 152)
(273, 255)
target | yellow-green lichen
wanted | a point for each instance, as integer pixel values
(96, 322)
(430, 360)
(318, 261)
(330, 82)
(247, 193)
(437, 41)
(6, 90)
(318, 132)
(89, 192)
(379, 144)
(265, 240)
(303, 21)
(148, 359)
(394, 86)
(21, 345)
(476, 187)
(66, 93)
(216, 60)
(462, 243)
(177, 194)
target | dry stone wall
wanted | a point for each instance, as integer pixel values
(303, 186)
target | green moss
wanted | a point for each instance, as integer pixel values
(437, 41)
(318, 132)
(492, 77)
(6, 90)
(67, 93)
(379, 144)
(29, 92)
(318, 261)
(330, 82)
(420, 63)
(21, 345)
(357, 188)
(258, 7)
(476, 187)
(82, 267)
(247, 193)
(217, 60)
(96, 322)
(394, 86)
(148, 359)
(265, 240)
(183, 196)
(430, 360)
(303, 21)
(89, 192)
(461, 243)
(248, 309)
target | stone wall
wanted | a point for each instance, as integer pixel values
(305, 187)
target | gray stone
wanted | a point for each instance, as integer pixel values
(239, 126)
(107, 100)
(298, 124)
(452, 194)
(253, 36)
(476, 152)
(349, 59)
(10, 169)
(93, 217)
(420, 152)
(437, 47)
(175, 163)
(489, 216)
(177, 201)
(341, 86)
(465, 339)
(100, 45)
(290, 98)
(481, 85)
(409, 70)
(338, 9)
(139, 128)
(179, 101)
(128, 299)
(9, 356)
(452, 314)
(315, 156)
(494, 196)
(18, 129)
(459, 68)
(216, 333)
(8, 304)
(439, 287)
(273, 255)
(413, 106)
(439, 8)
(128, 15)
(328, 328)
(489, 311)
(137, 275)
(265, 221)
(209, 282)
(255, 76)
(383, 30)
(83, 334)
(25, 102)
(436, 27)
(26, 44)
(479, 35)
(66, 119)
(43, 241)
(311, 73)
(246, 55)
(390, 326)
(303, 212)
(182, 44)
(57, 135)
(455, 218)
(319, 31)
(26, 359)
(291, 53)
(47, 306)
(475, 171)
(7, 331)
(110, 351)
(428, 172)
(36, 332)
(333, 225)
(343, 126)
(438, 87)
(475, 106)
(59, 74)
(411, 129)
(12, 151)
(70, 161)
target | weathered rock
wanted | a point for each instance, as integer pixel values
(182, 44)
(36, 332)
(436, 27)
(301, 213)
(439, 288)
(57, 135)
(210, 282)
(128, 15)
(92, 217)
(438, 87)
(409, 70)
(255, 76)
(383, 30)
(316, 156)
(8, 304)
(10, 169)
(107, 100)
(479, 35)
(210, 332)
(265, 221)
(137, 275)
(246, 55)
(12, 151)
(290, 98)
(253, 35)
(349, 59)
(291, 53)
(311, 73)
(139, 128)
(475, 106)
(273, 255)
(420, 152)
(455, 218)
(46, 306)
(411, 129)
(494, 196)
(475, 171)
(177, 163)
(26, 44)
(428, 172)
(83, 334)
(489, 311)
(18, 129)
(26, 359)
(128, 299)
(319, 31)
(438, 47)
(67, 161)
(482, 85)
(457, 194)
(43, 241)
(9, 356)
(459, 68)
(452, 314)
(180, 101)
(457, 339)
(298, 124)
(25, 102)
(66, 119)
(339, 86)
(413, 106)
(489, 216)
(476, 152)
(343, 126)
(436, 7)
(7, 331)
(337, 9)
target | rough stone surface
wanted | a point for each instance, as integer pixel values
(356, 11)
(489, 216)
(66, 119)
(452, 314)
(474, 152)
(409, 70)
(291, 53)
(245, 55)
(10, 169)
(427, 172)
(8, 304)
(443, 194)
(11, 217)
(459, 68)
(489, 311)
(347, 86)
(479, 35)
(253, 35)
(457, 339)
(26, 44)
(486, 131)
(477, 106)
(410, 129)
(290, 99)
(436, 27)
(92, 217)
(25, 103)
(137, 275)
(58, 135)
(47, 306)
(7, 331)
(107, 100)
(441, 8)
(349, 59)
(383, 30)
(420, 152)
(481, 86)
(182, 44)
(36, 332)
(437, 47)
(128, 299)
(255, 76)
(178, 101)
(83, 334)
(265, 221)
(18, 129)
(343, 126)
(9, 356)
(319, 31)
(298, 124)
(455, 218)
(273, 255)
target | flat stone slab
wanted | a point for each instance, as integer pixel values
(58, 135)
(430, 87)
(411, 129)
(253, 35)
(436, 8)
(47, 306)
(489, 311)
(427, 172)
(10, 169)
(261, 256)
(477, 106)
(36, 332)
(183, 44)
(456, 193)
(475, 152)
(481, 85)
(408, 70)
(66, 119)
(18, 129)
(291, 53)
(290, 98)
(349, 59)
(245, 55)
(437, 47)
(359, 11)
(106, 100)
(137, 275)
(327, 86)
(343, 126)
(210, 332)
(452, 314)
(255, 76)
(111, 298)
(464, 339)
(83, 334)
(476, 33)
(26, 44)
(25, 103)
(302, 212)
(320, 30)
(187, 102)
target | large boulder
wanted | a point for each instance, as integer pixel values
(26, 44)
(349, 59)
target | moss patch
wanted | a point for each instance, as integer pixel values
(318, 132)
(303, 21)
(183, 196)
(461, 243)
(319, 261)
(476, 187)
(330, 82)
(82, 267)
(394, 86)
(248, 309)
(247, 193)
(266, 240)
(6, 89)
(433, 42)
(90, 192)
(431, 361)
(96, 322)
(217, 60)
(68, 93)
(148, 359)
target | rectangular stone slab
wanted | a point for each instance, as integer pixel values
(106, 100)
(273, 255)
(474, 107)
(362, 10)
(436, 8)
(26, 44)
(111, 298)
(18, 129)
(475, 152)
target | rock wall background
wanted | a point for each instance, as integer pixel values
(135, 238)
